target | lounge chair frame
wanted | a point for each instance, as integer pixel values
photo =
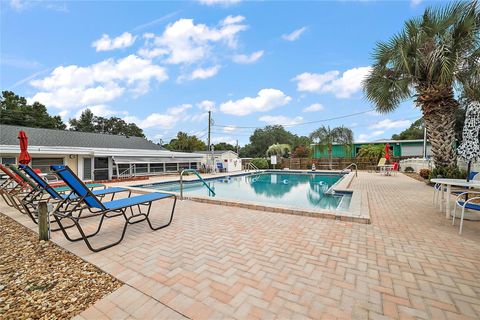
(88, 201)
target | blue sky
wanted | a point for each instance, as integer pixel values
(163, 65)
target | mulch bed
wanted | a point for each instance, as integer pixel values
(40, 280)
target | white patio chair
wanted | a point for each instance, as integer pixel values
(465, 204)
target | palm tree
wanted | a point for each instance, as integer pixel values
(278, 149)
(424, 61)
(326, 137)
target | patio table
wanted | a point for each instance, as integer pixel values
(453, 182)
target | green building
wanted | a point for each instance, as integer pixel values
(399, 148)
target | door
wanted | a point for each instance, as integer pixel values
(100, 168)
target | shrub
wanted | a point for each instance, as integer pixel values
(260, 163)
(409, 170)
(448, 172)
(424, 173)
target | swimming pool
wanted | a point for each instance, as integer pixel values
(287, 189)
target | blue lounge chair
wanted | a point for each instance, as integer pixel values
(30, 202)
(465, 202)
(101, 209)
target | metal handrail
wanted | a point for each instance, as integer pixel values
(252, 166)
(352, 164)
(199, 177)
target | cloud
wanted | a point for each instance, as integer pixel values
(365, 137)
(341, 85)
(246, 59)
(283, 120)
(266, 99)
(414, 3)
(206, 105)
(155, 21)
(168, 119)
(313, 108)
(219, 2)
(101, 110)
(200, 73)
(184, 42)
(20, 5)
(219, 139)
(105, 43)
(72, 86)
(391, 124)
(295, 35)
(229, 128)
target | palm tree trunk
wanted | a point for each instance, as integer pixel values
(438, 106)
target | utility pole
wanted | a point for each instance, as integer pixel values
(237, 146)
(209, 128)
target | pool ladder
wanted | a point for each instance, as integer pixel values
(199, 177)
(352, 164)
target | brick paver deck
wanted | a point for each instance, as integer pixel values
(225, 262)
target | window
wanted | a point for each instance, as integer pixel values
(184, 166)
(87, 168)
(8, 160)
(193, 165)
(44, 163)
(171, 167)
(141, 168)
(156, 167)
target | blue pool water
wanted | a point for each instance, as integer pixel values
(296, 190)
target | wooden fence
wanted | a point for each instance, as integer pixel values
(337, 163)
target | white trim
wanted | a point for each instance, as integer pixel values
(99, 152)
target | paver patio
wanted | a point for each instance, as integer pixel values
(226, 262)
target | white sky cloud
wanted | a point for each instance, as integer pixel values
(391, 124)
(283, 120)
(105, 43)
(168, 119)
(72, 86)
(184, 42)
(219, 2)
(295, 35)
(248, 58)
(206, 105)
(266, 99)
(229, 128)
(200, 73)
(341, 85)
(415, 3)
(366, 137)
(314, 107)
(101, 110)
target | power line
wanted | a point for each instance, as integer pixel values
(299, 123)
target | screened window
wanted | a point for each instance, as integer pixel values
(44, 163)
(193, 165)
(171, 167)
(156, 167)
(8, 160)
(184, 165)
(87, 168)
(141, 168)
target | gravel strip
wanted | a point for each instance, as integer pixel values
(40, 280)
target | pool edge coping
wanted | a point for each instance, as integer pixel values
(357, 211)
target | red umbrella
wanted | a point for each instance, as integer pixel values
(24, 157)
(387, 152)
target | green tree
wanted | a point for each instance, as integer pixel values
(415, 131)
(184, 142)
(326, 137)
(15, 110)
(424, 61)
(224, 146)
(302, 151)
(373, 152)
(279, 150)
(88, 122)
(85, 123)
